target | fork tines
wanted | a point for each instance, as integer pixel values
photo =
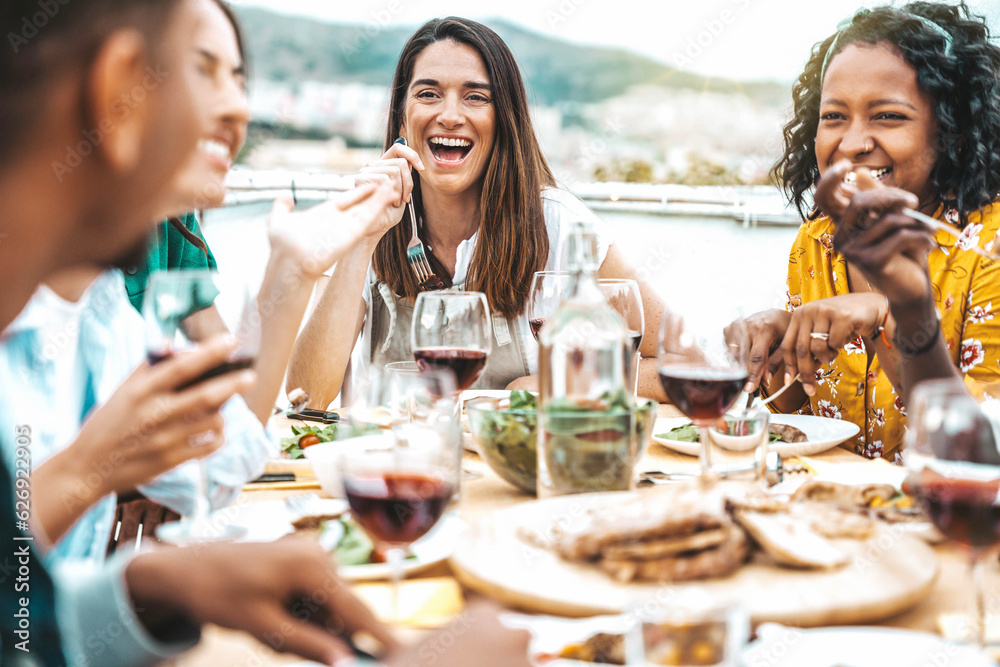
(418, 261)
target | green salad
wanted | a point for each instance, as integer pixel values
(506, 428)
(589, 444)
(689, 433)
(340, 431)
(354, 547)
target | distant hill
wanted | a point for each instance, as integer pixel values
(288, 48)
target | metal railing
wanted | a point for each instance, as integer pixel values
(749, 205)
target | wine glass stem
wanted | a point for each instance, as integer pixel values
(459, 411)
(635, 370)
(976, 571)
(704, 450)
(394, 557)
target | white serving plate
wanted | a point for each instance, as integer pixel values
(781, 646)
(823, 433)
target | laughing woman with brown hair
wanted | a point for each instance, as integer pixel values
(488, 213)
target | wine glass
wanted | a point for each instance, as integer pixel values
(703, 366)
(548, 290)
(452, 331)
(625, 298)
(398, 495)
(172, 296)
(951, 454)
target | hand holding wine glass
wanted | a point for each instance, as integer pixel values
(172, 297)
(148, 427)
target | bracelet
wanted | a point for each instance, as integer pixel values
(879, 331)
(881, 328)
(923, 349)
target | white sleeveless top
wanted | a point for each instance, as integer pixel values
(561, 209)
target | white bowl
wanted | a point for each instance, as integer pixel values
(325, 458)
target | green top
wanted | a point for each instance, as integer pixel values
(168, 249)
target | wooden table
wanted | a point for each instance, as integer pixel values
(951, 594)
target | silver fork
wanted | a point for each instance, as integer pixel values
(415, 254)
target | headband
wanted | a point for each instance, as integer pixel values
(846, 23)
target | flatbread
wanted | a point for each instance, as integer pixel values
(681, 509)
(667, 546)
(790, 540)
(714, 562)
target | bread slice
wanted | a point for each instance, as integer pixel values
(714, 562)
(790, 541)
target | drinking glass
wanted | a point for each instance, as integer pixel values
(401, 391)
(737, 444)
(951, 454)
(452, 331)
(693, 628)
(625, 298)
(398, 495)
(548, 290)
(704, 352)
(171, 297)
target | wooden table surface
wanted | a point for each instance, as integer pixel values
(952, 593)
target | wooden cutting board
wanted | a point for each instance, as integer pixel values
(889, 574)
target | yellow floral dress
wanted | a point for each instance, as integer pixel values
(966, 287)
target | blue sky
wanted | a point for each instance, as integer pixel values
(742, 39)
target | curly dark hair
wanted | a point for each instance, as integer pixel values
(962, 78)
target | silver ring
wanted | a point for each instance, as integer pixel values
(820, 336)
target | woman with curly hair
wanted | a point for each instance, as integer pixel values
(911, 96)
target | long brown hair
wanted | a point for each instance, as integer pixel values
(513, 241)
(188, 235)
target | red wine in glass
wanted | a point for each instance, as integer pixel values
(466, 365)
(536, 325)
(235, 363)
(703, 394)
(965, 510)
(397, 507)
(156, 357)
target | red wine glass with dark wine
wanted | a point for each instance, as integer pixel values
(548, 290)
(625, 298)
(703, 367)
(951, 454)
(453, 332)
(172, 298)
(397, 496)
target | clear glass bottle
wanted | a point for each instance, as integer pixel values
(586, 413)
